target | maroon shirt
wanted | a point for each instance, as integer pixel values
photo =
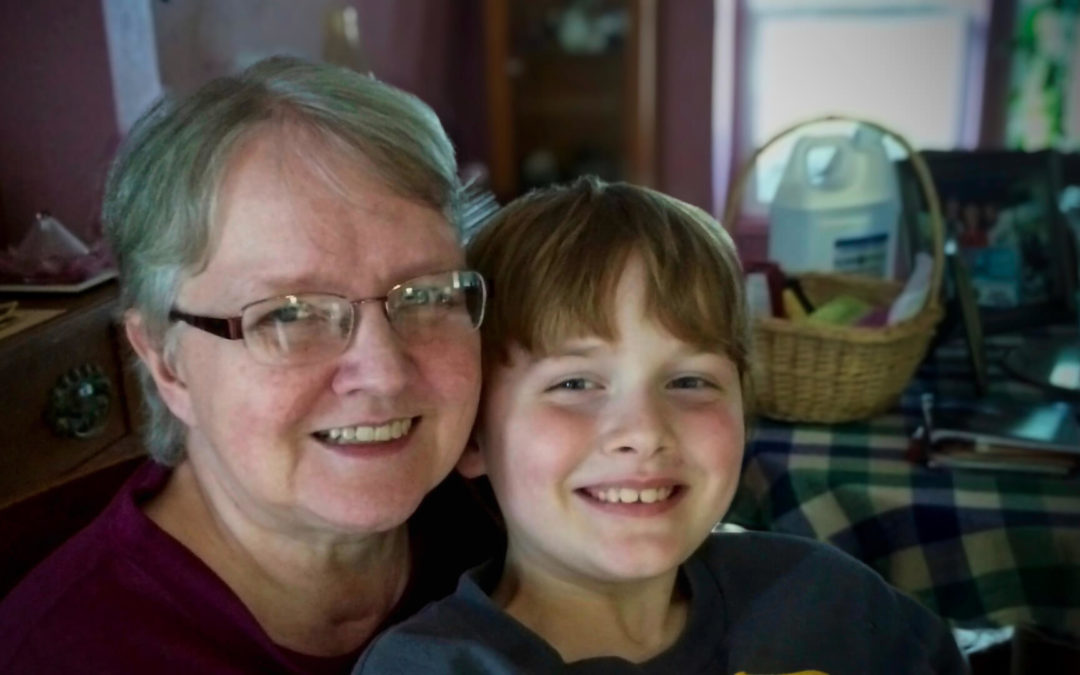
(123, 596)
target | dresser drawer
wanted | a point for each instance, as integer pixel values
(63, 396)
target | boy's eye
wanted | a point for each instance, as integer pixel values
(691, 382)
(573, 384)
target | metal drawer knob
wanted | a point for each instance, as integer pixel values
(79, 403)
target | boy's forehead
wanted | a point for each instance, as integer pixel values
(586, 345)
(575, 347)
(568, 328)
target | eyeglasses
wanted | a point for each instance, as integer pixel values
(310, 327)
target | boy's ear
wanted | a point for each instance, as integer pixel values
(173, 391)
(471, 464)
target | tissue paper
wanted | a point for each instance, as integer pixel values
(49, 254)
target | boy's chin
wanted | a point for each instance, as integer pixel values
(638, 567)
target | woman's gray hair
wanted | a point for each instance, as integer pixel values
(161, 192)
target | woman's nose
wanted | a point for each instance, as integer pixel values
(376, 360)
(638, 424)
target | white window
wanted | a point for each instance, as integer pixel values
(914, 66)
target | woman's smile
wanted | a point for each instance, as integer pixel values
(366, 433)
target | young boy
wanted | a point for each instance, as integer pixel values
(616, 354)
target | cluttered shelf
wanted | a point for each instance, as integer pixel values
(982, 548)
(571, 91)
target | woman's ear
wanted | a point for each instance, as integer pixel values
(471, 464)
(173, 391)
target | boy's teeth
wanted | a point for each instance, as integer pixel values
(631, 496)
(367, 434)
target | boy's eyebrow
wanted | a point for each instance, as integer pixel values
(581, 349)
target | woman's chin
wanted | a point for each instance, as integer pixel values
(360, 512)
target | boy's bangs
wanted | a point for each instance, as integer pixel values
(696, 305)
(578, 302)
(690, 298)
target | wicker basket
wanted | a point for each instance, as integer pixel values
(811, 372)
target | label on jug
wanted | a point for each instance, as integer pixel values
(865, 255)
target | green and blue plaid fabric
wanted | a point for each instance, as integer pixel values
(981, 548)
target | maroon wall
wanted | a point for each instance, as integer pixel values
(57, 123)
(434, 50)
(685, 52)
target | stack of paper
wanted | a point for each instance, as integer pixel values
(1040, 438)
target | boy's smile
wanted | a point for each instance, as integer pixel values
(649, 493)
(611, 460)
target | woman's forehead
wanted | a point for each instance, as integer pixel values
(283, 228)
(304, 176)
(304, 163)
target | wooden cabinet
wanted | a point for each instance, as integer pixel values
(68, 401)
(571, 90)
(68, 420)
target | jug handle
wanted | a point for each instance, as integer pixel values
(922, 174)
(805, 145)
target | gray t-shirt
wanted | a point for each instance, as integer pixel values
(759, 603)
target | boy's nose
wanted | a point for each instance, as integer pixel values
(637, 424)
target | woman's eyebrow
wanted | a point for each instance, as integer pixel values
(278, 284)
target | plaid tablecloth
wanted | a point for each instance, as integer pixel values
(982, 549)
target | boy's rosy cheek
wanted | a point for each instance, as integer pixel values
(728, 434)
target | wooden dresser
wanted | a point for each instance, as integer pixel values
(68, 423)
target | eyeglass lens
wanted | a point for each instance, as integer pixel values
(294, 329)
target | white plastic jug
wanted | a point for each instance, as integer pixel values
(842, 216)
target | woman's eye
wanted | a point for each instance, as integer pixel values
(433, 296)
(691, 382)
(290, 313)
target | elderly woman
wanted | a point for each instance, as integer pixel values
(295, 291)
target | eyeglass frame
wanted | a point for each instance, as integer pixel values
(232, 327)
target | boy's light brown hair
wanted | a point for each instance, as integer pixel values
(553, 259)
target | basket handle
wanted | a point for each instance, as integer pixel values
(922, 173)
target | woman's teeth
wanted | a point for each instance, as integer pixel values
(630, 495)
(368, 434)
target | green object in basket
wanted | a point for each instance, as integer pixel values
(843, 310)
